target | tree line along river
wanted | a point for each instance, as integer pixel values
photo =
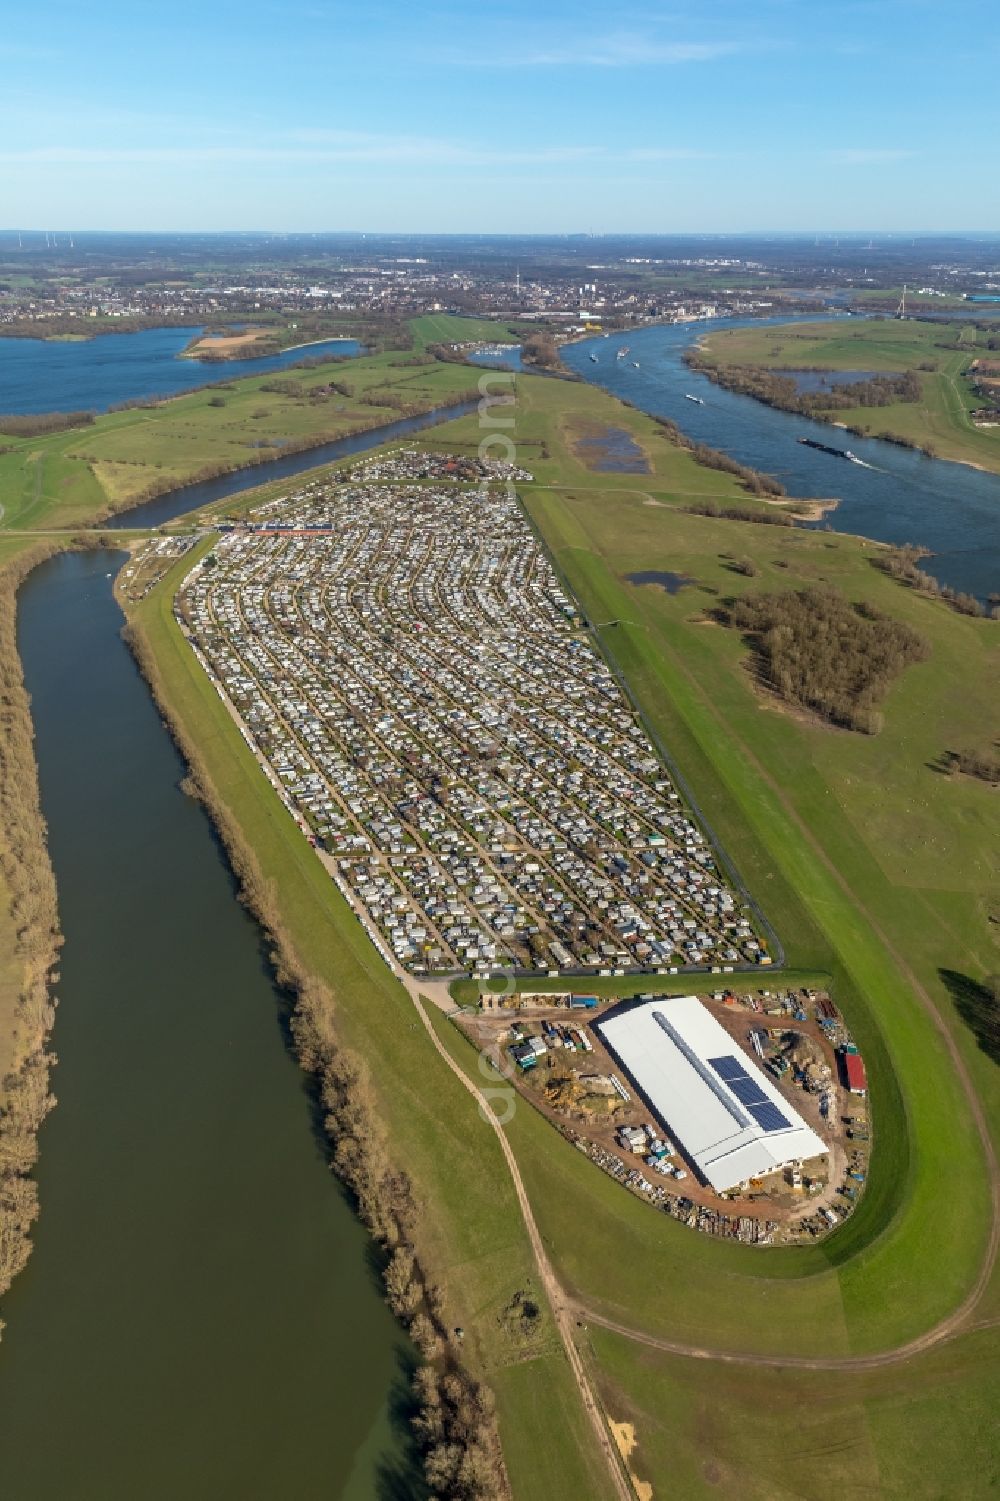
(200, 1316)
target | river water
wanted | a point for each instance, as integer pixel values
(51, 375)
(199, 1318)
(903, 497)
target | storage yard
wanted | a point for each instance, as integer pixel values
(402, 659)
(150, 562)
(649, 1117)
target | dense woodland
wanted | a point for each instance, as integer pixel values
(815, 649)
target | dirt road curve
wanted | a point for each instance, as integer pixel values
(562, 1311)
(936, 1336)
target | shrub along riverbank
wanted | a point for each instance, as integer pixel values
(777, 390)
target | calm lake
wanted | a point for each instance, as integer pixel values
(950, 508)
(49, 375)
(199, 1318)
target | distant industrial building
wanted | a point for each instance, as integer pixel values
(727, 1115)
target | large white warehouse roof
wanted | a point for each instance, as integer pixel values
(731, 1121)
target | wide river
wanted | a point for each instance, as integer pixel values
(200, 1317)
(950, 508)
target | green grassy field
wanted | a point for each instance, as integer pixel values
(925, 1430)
(874, 868)
(450, 328)
(940, 418)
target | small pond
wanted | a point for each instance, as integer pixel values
(611, 450)
(671, 583)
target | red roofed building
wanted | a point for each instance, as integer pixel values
(854, 1073)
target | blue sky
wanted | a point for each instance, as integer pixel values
(515, 116)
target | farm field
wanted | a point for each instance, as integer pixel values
(940, 418)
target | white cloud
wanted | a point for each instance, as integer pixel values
(327, 148)
(620, 49)
(867, 156)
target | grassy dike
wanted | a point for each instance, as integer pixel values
(462, 1219)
